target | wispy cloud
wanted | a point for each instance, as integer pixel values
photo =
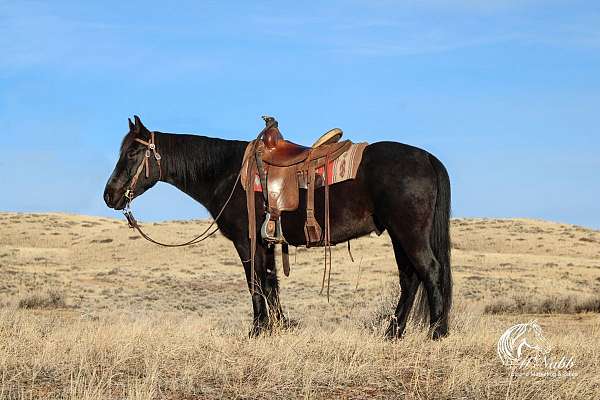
(392, 28)
(34, 34)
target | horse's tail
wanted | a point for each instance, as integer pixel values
(440, 233)
(440, 243)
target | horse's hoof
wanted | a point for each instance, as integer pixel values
(439, 333)
(256, 331)
(394, 332)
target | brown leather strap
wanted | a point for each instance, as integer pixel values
(327, 236)
(250, 201)
(285, 257)
(151, 144)
(203, 236)
(327, 224)
(133, 183)
(144, 165)
(250, 205)
(312, 230)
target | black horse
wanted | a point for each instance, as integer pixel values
(399, 188)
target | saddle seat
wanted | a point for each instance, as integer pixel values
(283, 153)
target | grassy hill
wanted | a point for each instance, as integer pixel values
(90, 310)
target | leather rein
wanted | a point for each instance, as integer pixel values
(151, 150)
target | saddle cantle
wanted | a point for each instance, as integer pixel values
(283, 167)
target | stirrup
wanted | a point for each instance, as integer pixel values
(271, 231)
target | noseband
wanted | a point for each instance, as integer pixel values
(144, 165)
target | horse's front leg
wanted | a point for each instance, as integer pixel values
(270, 315)
(276, 316)
(257, 286)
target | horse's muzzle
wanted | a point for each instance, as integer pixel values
(113, 200)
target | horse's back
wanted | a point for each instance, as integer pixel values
(387, 165)
(395, 153)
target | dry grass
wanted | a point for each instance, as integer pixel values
(158, 356)
(151, 323)
(49, 298)
(553, 305)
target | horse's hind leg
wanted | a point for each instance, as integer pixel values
(409, 283)
(417, 248)
(429, 271)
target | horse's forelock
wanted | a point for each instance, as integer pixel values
(129, 139)
(126, 142)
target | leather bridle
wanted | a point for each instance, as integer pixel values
(130, 194)
(144, 166)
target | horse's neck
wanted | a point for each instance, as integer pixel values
(199, 165)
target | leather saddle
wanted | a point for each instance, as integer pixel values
(283, 167)
(283, 153)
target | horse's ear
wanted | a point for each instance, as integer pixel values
(131, 125)
(139, 127)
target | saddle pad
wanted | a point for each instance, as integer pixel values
(343, 168)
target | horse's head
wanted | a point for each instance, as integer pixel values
(137, 169)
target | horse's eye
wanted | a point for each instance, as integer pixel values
(131, 154)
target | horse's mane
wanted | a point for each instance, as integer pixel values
(126, 142)
(192, 157)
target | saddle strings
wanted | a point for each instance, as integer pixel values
(327, 231)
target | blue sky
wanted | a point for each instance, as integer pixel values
(505, 93)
